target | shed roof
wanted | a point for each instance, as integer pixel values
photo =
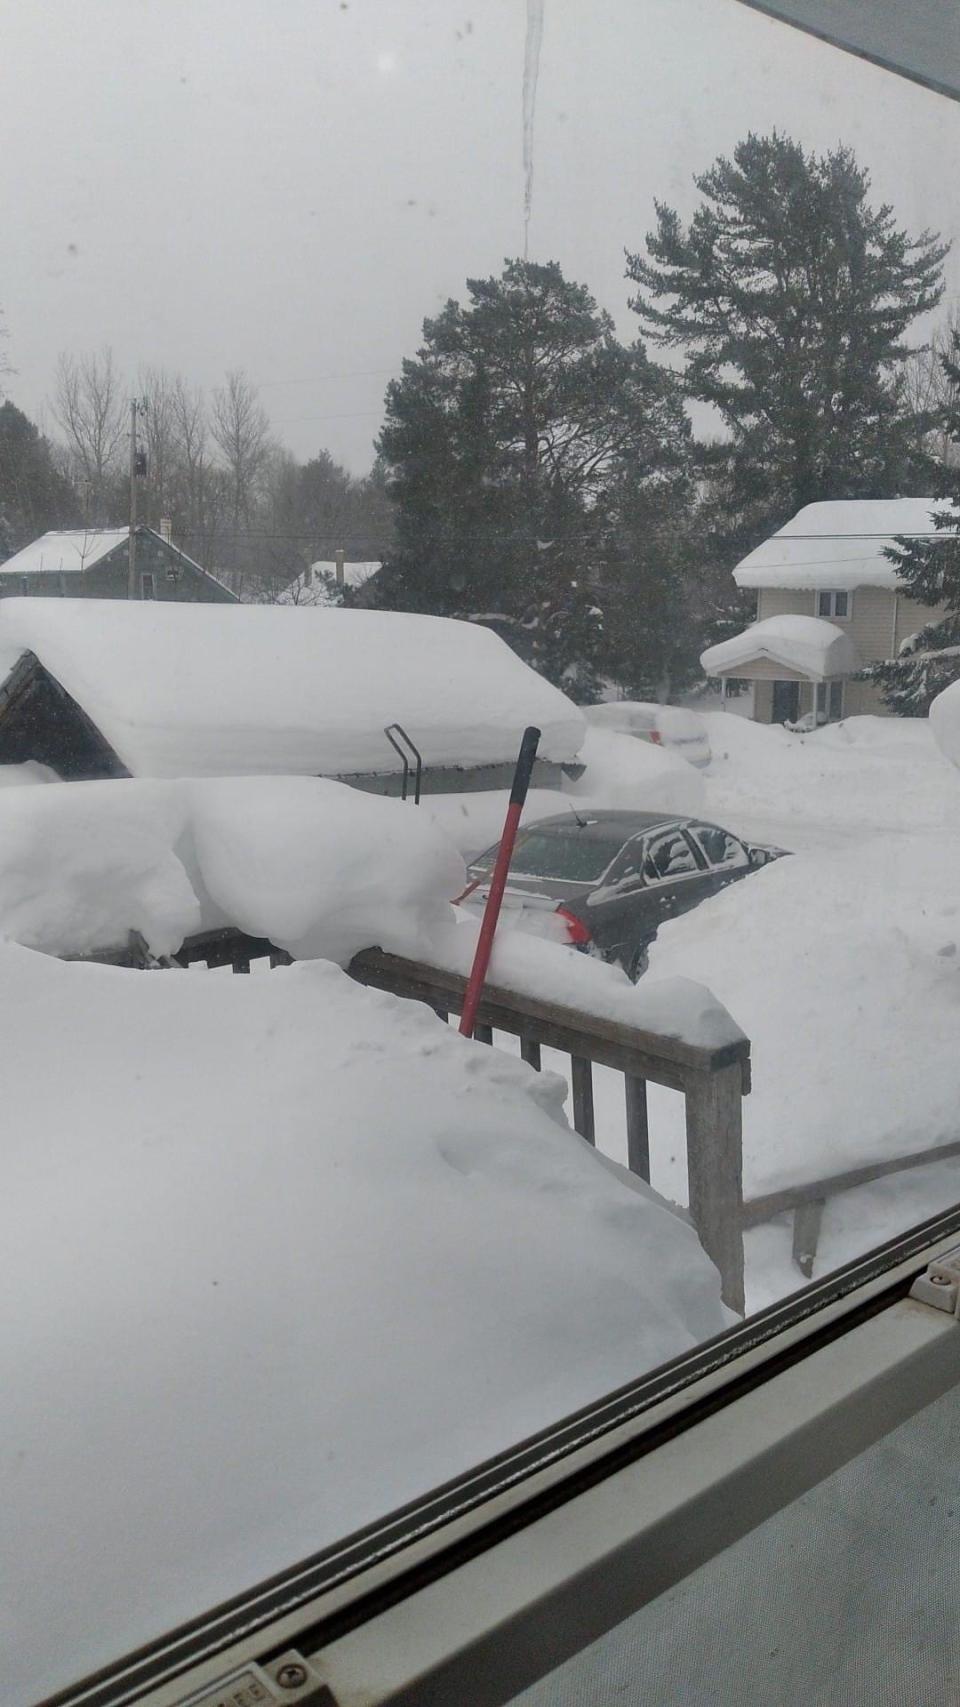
(839, 544)
(208, 690)
(70, 549)
(806, 644)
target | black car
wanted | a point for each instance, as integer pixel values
(611, 878)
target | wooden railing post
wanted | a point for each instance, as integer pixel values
(715, 1173)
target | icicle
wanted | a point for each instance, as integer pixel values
(531, 71)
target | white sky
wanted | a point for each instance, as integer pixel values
(290, 186)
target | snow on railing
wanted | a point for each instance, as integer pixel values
(713, 1078)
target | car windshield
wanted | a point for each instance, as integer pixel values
(575, 855)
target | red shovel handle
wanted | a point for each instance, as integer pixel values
(491, 912)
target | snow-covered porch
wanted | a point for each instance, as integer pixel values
(798, 665)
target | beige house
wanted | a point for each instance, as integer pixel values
(827, 567)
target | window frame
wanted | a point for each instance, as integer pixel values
(651, 838)
(832, 594)
(490, 1583)
(693, 831)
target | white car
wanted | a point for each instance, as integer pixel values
(668, 726)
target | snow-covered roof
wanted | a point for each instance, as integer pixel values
(838, 544)
(71, 550)
(208, 690)
(318, 586)
(354, 574)
(806, 644)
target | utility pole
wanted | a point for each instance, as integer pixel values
(138, 467)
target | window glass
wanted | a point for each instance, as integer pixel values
(669, 856)
(579, 855)
(721, 850)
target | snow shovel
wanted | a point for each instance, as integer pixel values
(491, 912)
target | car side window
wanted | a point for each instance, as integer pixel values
(669, 855)
(721, 851)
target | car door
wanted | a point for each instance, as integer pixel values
(676, 875)
(726, 856)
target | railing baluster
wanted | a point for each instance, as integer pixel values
(582, 1077)
(715, 1173)
(530, 1052)
(638, 1131)
(806, 1233)
(483, 1033)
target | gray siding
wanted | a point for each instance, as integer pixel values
(108, 578)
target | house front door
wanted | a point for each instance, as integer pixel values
(786, 702)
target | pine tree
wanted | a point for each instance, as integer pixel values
(929, 572)
(34, 493)
(502, 444)
(791, 296)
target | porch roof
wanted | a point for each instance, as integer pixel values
(804, 646)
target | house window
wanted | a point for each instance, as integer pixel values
(829, 702)
(831, 603)
(146, 587)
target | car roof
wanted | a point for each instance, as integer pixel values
(599, 826)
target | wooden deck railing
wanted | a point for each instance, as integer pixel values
(712, 1082)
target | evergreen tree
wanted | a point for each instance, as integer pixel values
(791, 295)
(503, 443)
(34, 493)
(929, 572)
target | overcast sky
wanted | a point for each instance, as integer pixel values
(290, 186)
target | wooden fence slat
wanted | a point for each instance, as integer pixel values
(806, 1233)
(530, 1052)
(715, 1174)
(483, 1033)
(582, 1080)
(638, 1131)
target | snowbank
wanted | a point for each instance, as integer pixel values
(622, 772)
(222, 690)
(844, 970)
(320, 868)
(945, 722)
(233, 1192)
(534, 966)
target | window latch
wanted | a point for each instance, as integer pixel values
(939, 1286)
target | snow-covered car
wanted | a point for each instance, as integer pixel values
(670, 726)
(604, 882)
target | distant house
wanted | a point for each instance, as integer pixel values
(828, 602)
(111, 688)
(322, 583)
(93, 563)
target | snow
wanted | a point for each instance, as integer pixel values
(533, 966)
(70, 550)
(296, 1255)
(838, 544)
(319, 868)
(833, 788)
(322, 869)
(805, 644)
(207, 690)
(844, 970)
(622, 772)
(945, 722)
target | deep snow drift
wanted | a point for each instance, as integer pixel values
(280, 1254)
